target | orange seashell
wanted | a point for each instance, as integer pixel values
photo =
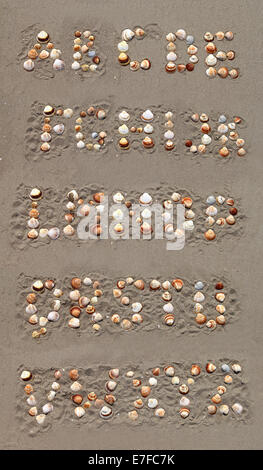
(210, 235)
(77, 399)
(139, 284)
(187, 202)
(73, 374)
(177, 284)
(195, 370)
(210, 367)
(145, 391)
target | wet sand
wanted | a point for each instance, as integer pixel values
(237, 256)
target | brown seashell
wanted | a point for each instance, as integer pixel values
(145, 391)
(205, 128)
(90, 309)
(177, 284)
(233, 211)
(49, 284)
(230, 55)
(216, 399)
(77, 399)
(98, 197)
(110, 399)
(124, 143)
(184, 389)
(222, 72)
(32, 54)
(156, 371)
(219, 286)
(210, 367)
(136, 382)
(210, 235)
(188, 143)
(114, 373)
(187, 202)
(224, 152)
(73, 374)
(184, 412)
(76, 282)
(92, 396)
(211, 48)
(170, 67)
(139, 284)
(200, 318)
(234, 73)
(31, 298)
(169, 319)
(181, 68)
(75, 311)
(195, 370)
(190, 67)
(148, 142)
(220, 320)
(145, 64)
(28, 389)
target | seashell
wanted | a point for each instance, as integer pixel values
(220, 35)
(58, 64)
(180, 34)
(40, 418)
(194, 59)
(147, 115)
(133, 415)
(229, 35)
(160, 412)
(74, 323)
(210, 235)
(26, 375)
(190, 39)
(145, 64)
(210, 367)
(222, 72)
(211, 60)
(230, 55)
(184, 412)
(47, 408)
(32, 54)
(237, 408)
(154, 284)
(68, 113)
(171, 57)
(53, 316)
(211, 211)
(145, 199)
(170, 67)
(212, 409)
(168, 308)
(123, 46)
(236, 368)
(79, 411)
(43, 37)
(152, 403)
(208, 37)
(139, 33)
(48, 110)
(153, 381)
(75, 65)
(105, 412)
(190, 67)
(192, 50)
(29, 65)
(31, 401)
(211, 72)
(124, 59)
(43, 55)
(220, 320)
(221, 55)
(177, 284)
(59, 129)
(33, 411)
(169, 371)
(145, 391)
(169, 319)
(55, 54)
(195, 370)
(148, 129)
(124, 116)
(171, 37)
(134, 65)
(211, 324)
(171, 47)
(224, 409)
(127, 34)
(206, 139)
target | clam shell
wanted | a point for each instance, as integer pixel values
(105, 412)
(127, 34)
(147, 115)
(145, 198)
(123, 46)
(29, 65)
(124, 116)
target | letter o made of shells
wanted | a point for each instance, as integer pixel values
(172, 53)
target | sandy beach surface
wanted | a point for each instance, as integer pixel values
(236, 258)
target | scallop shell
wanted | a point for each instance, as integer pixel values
(123, 46)
(147, 115)
(127, 34)
(59, 129)
(29, 65)
(181, 34)
(124, 116)
(105, 412)
(145, 198)
(211, 60)
(58, 64)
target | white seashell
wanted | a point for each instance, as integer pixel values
(237, 408)
(211, 211)
(176, 197)
(169, 371)
(53, 316)
(194, 59)
(74, 295)
(124, 116)
(57, 293)
(33, 223)
(181, 34)
(75, 65)
(80, 144)
(224, 409)
(152, 403)
(31, 309)
(45, 137)
(123, 46)
(105, 412)
(171, 37)
(51, 395)
(211, 60)
(188, 225)
(175, 380)
(31, 401)
(93, 67)
(199, 297)
(146, 214)
(68, 113)
(147, 115)
(59, 129)
(145, 198)
(87, 281)
(123, 129)
(96, 317)
(58, 64)
(79, 136)
(184, 401)
(236, 368)
(54, 233)
(127, 34)
(40, 418)
(76, 387)
(190, 39)
(171, 57)
(43, 321)
(118, 198)
(136, 307)
(206, 139)
(222, 128)
(148, 129)
(47, 408)
(168, 308)
(55, 386)
(79, 411)
(153, 381)
(29, 65)
(77, 56)
(74, 323)
(55, 53)
(169, 135)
